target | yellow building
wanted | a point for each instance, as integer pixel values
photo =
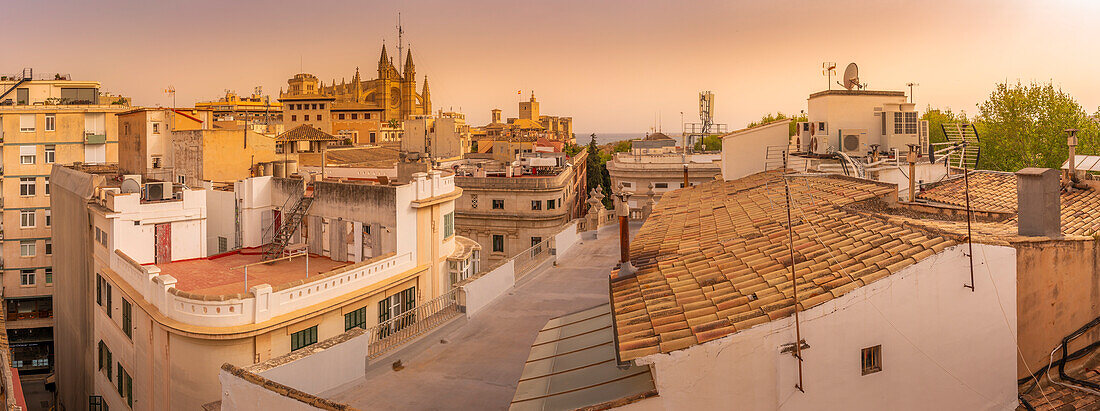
(254, 109)
(530, 125)
(43, 122)
(359, 108)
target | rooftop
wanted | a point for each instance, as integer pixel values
(858, 93)
(305, 132)
(713, 259)
(219, 275)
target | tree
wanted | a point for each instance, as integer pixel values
(621, 146)
(937, 117)
(768, 118)
(597, 170)
(1024, 126)
(709, 143)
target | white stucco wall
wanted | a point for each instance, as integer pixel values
(565, 240)
(342, 362)
(238, 394)
(745, 152)
(483, 289)
(943, 347)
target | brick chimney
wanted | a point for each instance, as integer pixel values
(1038, 203)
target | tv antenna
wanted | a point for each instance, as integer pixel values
(851, 77)
(171, 90)
(400, 43)
(911, 85)
(828, 68)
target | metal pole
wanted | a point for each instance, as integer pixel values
(686, 182)
(246, 278)
(306, 253)
(794, 285)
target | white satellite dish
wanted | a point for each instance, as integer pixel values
(130, 186)
(851, 77)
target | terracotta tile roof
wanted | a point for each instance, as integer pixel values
(306, 132)
(989, 191)
(713, 259)
(996, 191)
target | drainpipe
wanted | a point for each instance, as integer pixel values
(686, 183)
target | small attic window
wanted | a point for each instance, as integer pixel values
(871, 358)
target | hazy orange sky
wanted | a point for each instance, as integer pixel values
(612, 65)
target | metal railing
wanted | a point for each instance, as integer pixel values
(410, 324)
(532, 257)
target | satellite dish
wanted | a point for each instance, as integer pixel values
(130, 186)
(851, 76)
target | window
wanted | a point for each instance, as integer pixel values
(660, 185)
(51, 122)
(821, 126)
(293, 117)
(498, 243)
(354, 116)
(101, 237)
(26, 186)
(911, 122)
(628, 184)
(26, 123)
(181, 179)
(105, 359)
(26, 277)
(156, 162)
(49, 218)
(49, 247)
(156, 128)
(125, 385)
(449, 224)
(26, 248)
(26, 219)
(536, 205)
(392, 308)
(318, 117)
(366, 116)
(551, 204)
(357, 318)
(26, 154)
(535, 241)
(49, 275)
(883, 115)
(498, 204)
(99, 290)
(321, 106)
(304, 338)
(314, 106)
(871, 358)
(107, 294)
(223, 244)
(899, 124)
(340, 116)
(46, 185)
(127, 321)
(51, 154)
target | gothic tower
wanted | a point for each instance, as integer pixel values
(426, 98)
(408, 88)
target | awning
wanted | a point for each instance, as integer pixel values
(572, 365)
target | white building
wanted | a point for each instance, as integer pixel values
(855, 121)
(171, 304)
(446, 136)
(711, 308)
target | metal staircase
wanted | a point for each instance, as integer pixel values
(287, 228)
(26, 76)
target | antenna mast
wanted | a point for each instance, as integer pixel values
(400, 44)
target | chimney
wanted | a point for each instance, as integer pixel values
(1038, 203)
(1071, 141)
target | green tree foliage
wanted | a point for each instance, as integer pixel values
(709, 143)
(597, 170)
(1024, 126)
(937, 117)
(768, 118)
(621, 146)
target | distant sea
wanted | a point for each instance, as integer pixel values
(607, 138)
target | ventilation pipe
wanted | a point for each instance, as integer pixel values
(623, 212)
(912, 157)
(1071, 141)
(1038, 203)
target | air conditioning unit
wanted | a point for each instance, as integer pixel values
(802, 136)
(158, 191)
(853, 141)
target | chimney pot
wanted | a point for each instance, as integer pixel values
(1038, 203)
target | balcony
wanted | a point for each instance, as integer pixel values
(95, 137)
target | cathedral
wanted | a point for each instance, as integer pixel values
(392, 95)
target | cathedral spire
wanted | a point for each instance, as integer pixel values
(426, 98)
(382, 62)
(410, 70)
(357, 85)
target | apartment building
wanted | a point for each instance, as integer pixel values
(509, 208)
(654, 166)
(43, 120)
(182, 145)
(162, 310)
(441, 137)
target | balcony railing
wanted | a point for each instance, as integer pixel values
(94, 137)
(410, 324)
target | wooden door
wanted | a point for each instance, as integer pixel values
(163, 243)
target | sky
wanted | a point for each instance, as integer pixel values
(615, 66)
